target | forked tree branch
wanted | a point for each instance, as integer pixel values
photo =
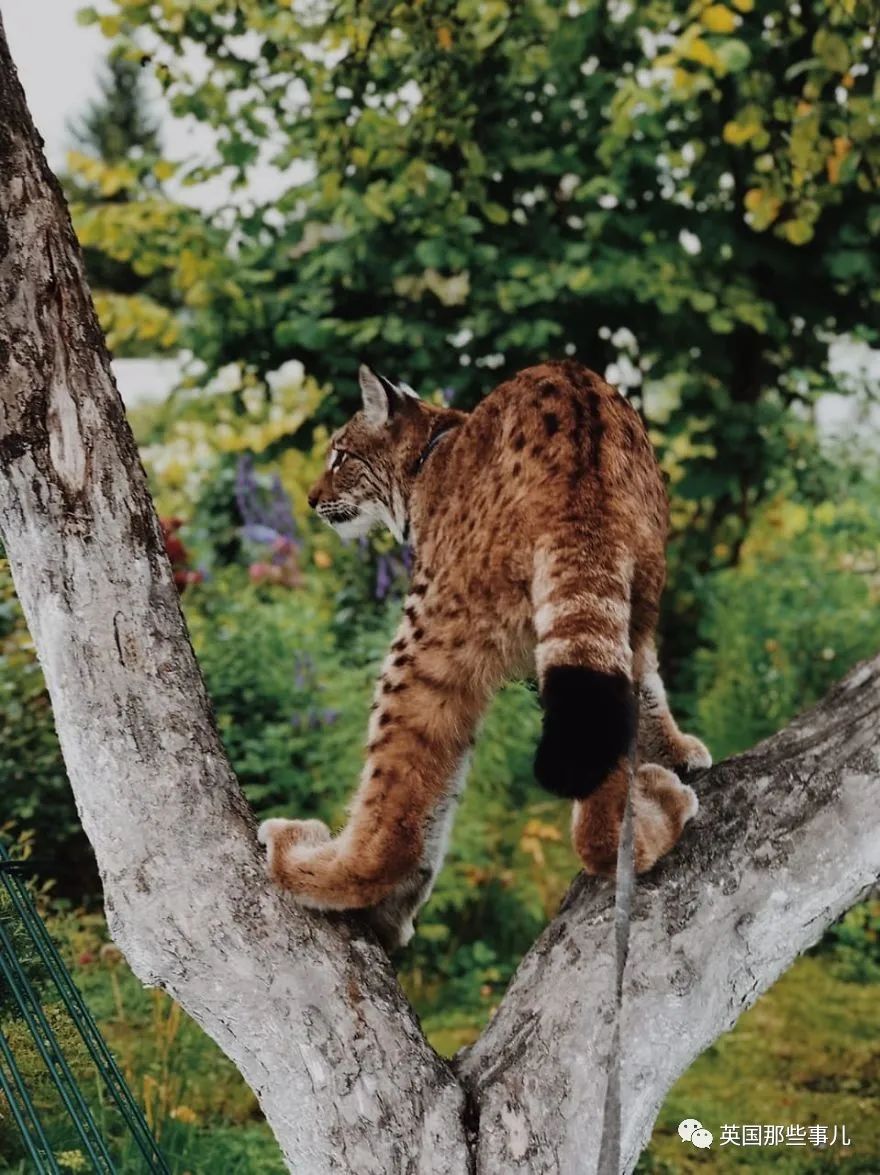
(307, 1006)
(787, 839)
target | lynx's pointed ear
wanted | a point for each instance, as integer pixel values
(381, 398)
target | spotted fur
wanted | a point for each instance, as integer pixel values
(538, 523)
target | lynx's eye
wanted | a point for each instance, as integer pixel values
(338, 458)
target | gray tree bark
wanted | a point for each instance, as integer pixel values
(307, 1006)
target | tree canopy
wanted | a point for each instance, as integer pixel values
(461, 189)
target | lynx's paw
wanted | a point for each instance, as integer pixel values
(662, 806)
(692, 755)
(293, 832)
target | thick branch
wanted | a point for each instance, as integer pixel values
(786, 840)
(311, 1015)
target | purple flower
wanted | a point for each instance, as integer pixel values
(303, 672)
(265, 510)
(313, 719)
(390, 569)
(383, 577)
(256, 533)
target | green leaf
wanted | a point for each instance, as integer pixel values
(432, 254)
(496, 213)
(851, 264)
(580, 280)
(734, 53)
(832, 50)
(797, 231)
(703, 301)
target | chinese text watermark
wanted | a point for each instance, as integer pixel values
(760, 1134)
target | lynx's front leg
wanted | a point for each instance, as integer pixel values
(387, 856)
(393, 918)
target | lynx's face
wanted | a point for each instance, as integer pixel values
(366, 480)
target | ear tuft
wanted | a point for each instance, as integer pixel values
(381, 398)
(375, 400)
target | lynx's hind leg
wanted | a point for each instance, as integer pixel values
(583, 621)
(660, 740)
(662, 806)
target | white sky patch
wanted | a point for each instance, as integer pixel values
(57, 62)
(60, 62)
(147, 381)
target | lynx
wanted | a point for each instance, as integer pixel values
(538, 524)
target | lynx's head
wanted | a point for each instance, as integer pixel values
(375, 458)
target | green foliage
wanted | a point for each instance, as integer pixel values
(118, 151)
(855, 943)
(28, 972)
(465, 186)
(198, 1107)
(796, 613)
(290, 708)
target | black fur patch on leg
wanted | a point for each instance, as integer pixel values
(590, 722)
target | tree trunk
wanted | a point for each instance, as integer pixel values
(309, 1011)
(307, 1006)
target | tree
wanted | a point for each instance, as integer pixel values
(114, 173)
(465, 188)
(116, 148)
(475, 186)
(307, 1006)
(118, 125)
(144, 250)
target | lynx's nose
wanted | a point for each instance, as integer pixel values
(314, 496)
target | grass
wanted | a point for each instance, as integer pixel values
(808, 1052)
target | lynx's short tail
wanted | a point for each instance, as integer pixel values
(584, 664)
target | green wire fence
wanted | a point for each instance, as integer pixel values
(19, 993)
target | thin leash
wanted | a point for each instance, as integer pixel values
(610, 1146)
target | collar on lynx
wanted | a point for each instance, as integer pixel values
(436, 436)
